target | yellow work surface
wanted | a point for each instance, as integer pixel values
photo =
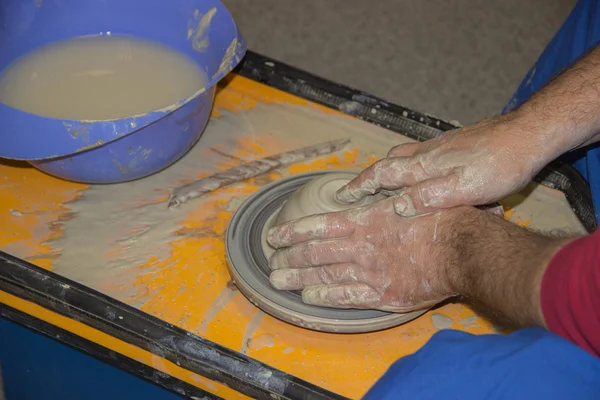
(123, 241)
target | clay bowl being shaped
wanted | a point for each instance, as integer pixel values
(318, 197)
(315, 197)
(110, 151)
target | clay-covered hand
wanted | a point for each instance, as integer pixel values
(474, 165)
(366, 257)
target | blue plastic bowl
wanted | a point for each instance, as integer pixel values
(119, 150)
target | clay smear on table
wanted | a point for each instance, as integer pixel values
(121, 238)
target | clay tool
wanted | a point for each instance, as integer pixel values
(252, 169)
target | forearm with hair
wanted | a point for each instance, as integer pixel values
(499, 265)
(566, 112)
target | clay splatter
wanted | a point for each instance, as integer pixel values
(250, 328)
(221, 301)
(261, 342)
(199, 34)
(441, 321)
(468, 320)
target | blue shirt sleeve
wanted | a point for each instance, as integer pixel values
(527, 364)
(579, 34)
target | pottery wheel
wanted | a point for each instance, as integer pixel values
(249, 269)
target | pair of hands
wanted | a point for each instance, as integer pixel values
(380, 256)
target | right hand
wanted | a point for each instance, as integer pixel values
(369, 257)
(475, 165)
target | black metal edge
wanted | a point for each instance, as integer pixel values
(196, 354)
(108, 356)
(402, 120)
(353, 102)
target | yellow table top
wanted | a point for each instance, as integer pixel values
(121, 240)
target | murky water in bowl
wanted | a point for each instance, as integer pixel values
(99, 78)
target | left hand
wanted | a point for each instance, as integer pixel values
(368, 257)
(475, 165)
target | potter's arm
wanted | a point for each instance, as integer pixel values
(499, 265)
(530, 279)
(567, 109)
(485, 162)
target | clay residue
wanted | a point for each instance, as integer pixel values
(468, 320)
(542, 209)
(221, 301)
(227, 60)
(250, 329)
(122, 234)
(262, 341)
(198, 34)
(441, 321)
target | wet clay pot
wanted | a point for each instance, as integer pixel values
(318, 197)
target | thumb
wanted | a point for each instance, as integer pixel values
(429, 196)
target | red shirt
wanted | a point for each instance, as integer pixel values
(571, 293)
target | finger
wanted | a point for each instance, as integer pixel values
(430, 195)
(349, 295)
(404, 150)
(313, 254)
(313, 227)
(296, 279)
(388, 173)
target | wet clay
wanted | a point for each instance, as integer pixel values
(316, 197)
(99, 78)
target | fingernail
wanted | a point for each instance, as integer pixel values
(281, 279)
(403, 206)
(273, 237)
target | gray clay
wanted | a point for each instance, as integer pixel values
(441, 321)
(315, 197)
(318, 196)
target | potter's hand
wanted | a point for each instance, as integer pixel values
(367, 257)
(370, 257)
(475, 165)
